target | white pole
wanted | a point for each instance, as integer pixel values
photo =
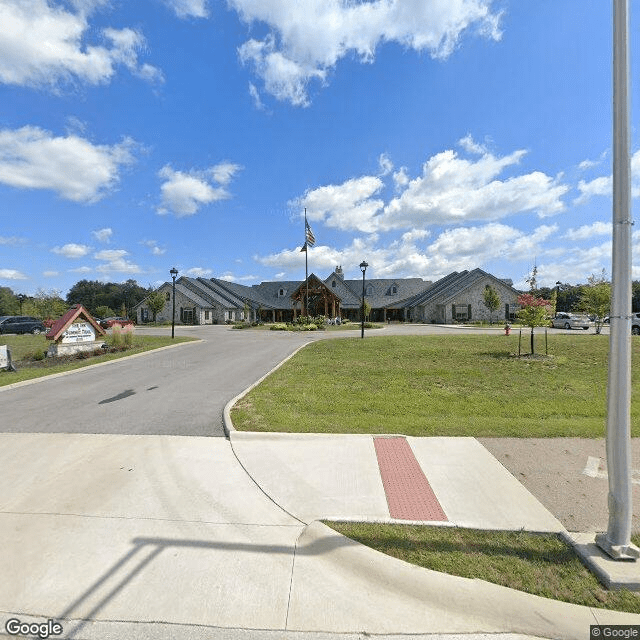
(617, 540)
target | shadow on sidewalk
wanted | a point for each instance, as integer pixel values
(146, 550)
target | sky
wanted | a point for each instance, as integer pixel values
(422, 136)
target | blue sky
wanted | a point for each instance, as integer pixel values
(423, 136)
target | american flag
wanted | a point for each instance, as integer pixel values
(310, 239)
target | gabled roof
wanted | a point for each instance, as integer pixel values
(447, 288)
(382, 295)
(71, 316)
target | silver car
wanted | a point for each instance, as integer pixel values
(570, 321)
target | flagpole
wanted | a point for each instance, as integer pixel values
(306, 262)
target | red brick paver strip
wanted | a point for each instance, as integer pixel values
(409, 494)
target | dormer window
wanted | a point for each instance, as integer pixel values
(394, 290)
(281, 293)
(369, 290)
(333, 284)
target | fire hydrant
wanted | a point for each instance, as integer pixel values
(507, 329)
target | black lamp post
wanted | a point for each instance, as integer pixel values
(21, 298)
(174, 273)
(558, 283)
(363, 268)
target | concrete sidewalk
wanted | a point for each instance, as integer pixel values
(166, 536)
(317, 476)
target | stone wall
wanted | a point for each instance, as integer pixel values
(472, 298)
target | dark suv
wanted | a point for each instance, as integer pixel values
(21, 324)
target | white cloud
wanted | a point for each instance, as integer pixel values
(452, 250)
(587, 231)
(10, 240)
(386, 166)
(50, 274)
(199, 272)
(230, 277)
(455, 189)
(255, 95)
(451, 189)
(189, 8)
(11, 274)
(111, 254)
(308, 39)
(102, 235)
(32, 158)
(44, 45)
(115, 261)
(346, 206)
(184, 193)
(72, 250)
(153, 247)
(603, 185)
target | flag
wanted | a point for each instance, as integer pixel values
(310, 239)
(304, 248)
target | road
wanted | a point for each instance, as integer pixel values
(177, 391)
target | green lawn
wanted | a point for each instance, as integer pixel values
(26, 348)
(451, 385)
(541, 564)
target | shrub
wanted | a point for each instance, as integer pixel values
(279, 326)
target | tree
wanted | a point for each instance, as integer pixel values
(45, 305)
(104, 312)
(491, 300)
(595, 299)
(9, 305)
(155, 301)
(533, 313)
(532, 280)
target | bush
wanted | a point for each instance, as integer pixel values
(279, 326)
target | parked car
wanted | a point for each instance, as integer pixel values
(21, 324)
(107, 323)
(635, 324)
(570, 321)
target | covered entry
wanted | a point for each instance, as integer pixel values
(322, 301)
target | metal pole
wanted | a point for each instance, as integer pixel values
(173, 313)
(617, 540)
(306, 262)
(363, 266)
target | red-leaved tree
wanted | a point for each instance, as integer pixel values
(533, 312)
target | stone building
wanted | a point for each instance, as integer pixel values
(458, 297)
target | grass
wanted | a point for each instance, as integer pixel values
(449, 385)
(541, 564)
(26, 349)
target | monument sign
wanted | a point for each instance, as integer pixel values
(75, 331)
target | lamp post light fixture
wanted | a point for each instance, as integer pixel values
(363, 268)
(174, 273)
(21, 298)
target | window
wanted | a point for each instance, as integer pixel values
(206, 315)
(394, 290)
(333, 284)
(167, 296)
(281, 293)
(369, 290)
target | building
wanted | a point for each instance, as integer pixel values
(457, 297)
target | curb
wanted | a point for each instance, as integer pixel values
(227, 423)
